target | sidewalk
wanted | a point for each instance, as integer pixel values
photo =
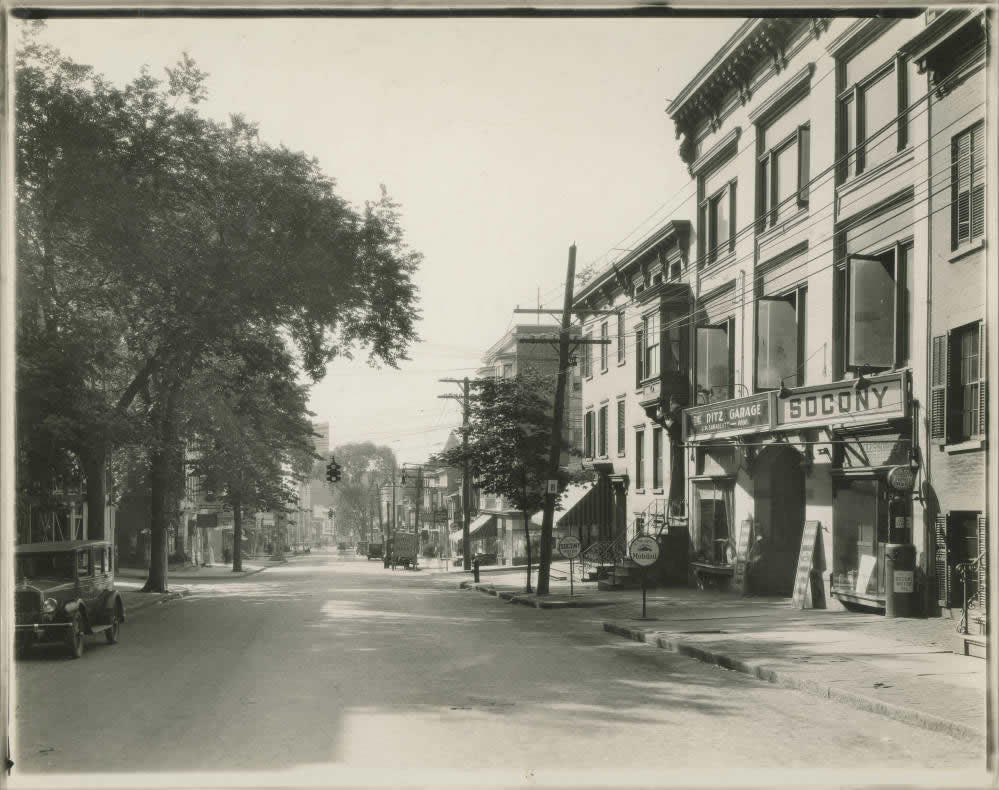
(217, 571)
(136, 601)
(902, 668)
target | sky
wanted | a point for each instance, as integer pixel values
(504, 141)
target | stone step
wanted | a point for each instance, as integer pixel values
(974, 645)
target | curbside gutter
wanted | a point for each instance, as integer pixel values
(760, 671)
(152, 599)
(530, 599)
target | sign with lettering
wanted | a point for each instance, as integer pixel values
(729, 418)
(568, 547)
(901, 478)
(902, 581)
(801, 597)
(883, 398)
(644, 550)
(741, 553)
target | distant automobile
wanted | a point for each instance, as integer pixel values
(376, 551)
(64, 591)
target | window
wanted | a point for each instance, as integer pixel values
(507, 370)
(714, 363)
(620, 338)
(717, 222)
(958, 391)
(780, 340)
(587, 356)
(620, 427)
(83, 563)
(605, 337)
(967, 152)
(657, 457)
(651, 333)
(872, 118)
(877, 309)
(99, 561)
(640, 459)
(784, 170)
(588, 434)
(602, 432)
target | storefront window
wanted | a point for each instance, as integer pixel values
(860, 532)
(713, 512)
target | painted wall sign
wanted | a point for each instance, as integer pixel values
(902, 581)
(883, 398)
(729, 418)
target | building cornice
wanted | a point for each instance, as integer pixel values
(619, 273)
(717, 152)
(757, 43)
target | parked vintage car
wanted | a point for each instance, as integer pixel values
(65, 591)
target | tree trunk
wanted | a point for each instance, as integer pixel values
(94, 461)
(527, 535)
(237, 535)
(165, 463)
(160, 488)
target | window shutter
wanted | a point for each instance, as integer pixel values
(702, 233)
(938, 389)
(961, 174)
(639, 356)
(942, 561)
(983, 563)
(803, 164)
(976, 217)
(731, 217)
(902, 77)
(983, 400)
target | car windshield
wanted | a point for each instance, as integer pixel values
(52, 566)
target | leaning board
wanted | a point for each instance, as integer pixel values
(741, 552)
(801, 597)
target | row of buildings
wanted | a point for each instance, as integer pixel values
(813, 316)
(804, 341)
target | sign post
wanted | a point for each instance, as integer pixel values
(568, 547)
(644, 552)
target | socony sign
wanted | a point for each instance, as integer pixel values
(880, 399)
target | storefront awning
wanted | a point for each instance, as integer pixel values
(573, 496)
(480, 527)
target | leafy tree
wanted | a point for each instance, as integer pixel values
(508, 445)
(252, 434)
(365, 466)
(203, 234)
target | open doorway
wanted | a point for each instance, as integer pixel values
(780, 517)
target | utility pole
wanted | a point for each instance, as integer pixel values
(555, 448)
(466, 483)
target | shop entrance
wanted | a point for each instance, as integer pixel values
(780, 517)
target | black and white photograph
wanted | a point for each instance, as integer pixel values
(560, 395)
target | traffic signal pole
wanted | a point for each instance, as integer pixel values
(466, 483)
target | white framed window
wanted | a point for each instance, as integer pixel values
(872, 118)
(783, 177)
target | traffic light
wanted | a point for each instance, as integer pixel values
(333, 473)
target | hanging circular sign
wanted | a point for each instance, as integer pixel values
(901, 478)
(644, 550)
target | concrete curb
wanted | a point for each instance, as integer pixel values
(760, 671)
(154, 598)
(527, 599)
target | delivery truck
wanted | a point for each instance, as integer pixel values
(402, 549)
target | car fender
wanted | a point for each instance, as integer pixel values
(79, 606)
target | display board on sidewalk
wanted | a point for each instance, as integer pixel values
(741, 555)
(809, 561)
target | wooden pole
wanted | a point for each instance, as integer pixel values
(555, 448)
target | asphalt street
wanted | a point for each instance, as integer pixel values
(335, 667)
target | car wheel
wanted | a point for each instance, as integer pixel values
(112, 632)
(74, 637)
